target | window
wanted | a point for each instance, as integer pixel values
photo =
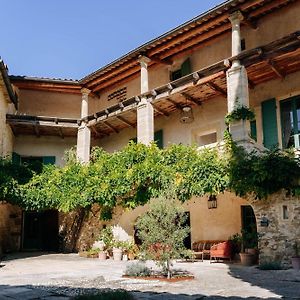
(184, 70)
(290, 122)
(243, 44)
(206, 139)
(285, 213)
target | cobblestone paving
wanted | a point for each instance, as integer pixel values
(62, 276)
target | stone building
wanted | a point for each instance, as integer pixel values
(176, 88)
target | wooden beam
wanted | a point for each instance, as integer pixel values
(275, 69)
(111, 126)
(167, 62)
(251, 84)
(40, 123)
(126, 121)
(177, 105)
(190, 98)
(217, 89)
(160, 111)
(250, 23)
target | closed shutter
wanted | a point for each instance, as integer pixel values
(16, 158)
(253, 131)
(269, 121)
(49, 160)
(186, 67)
(158, 139)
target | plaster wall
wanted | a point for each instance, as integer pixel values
(42, 103)
(43, 146)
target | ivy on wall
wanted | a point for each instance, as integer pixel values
(134, 175)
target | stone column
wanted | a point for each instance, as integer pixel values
(145, 113)
(84, 132)
(237, 82)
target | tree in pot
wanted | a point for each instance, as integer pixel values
(296, 258)
(106, 241)
(249, 240)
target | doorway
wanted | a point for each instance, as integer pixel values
(40, 231)
(249, 228)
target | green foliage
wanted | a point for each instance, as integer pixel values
(262, 174)
(137, 269)
(272, 265)
(240, 113)
(162, 231)
(107, 237)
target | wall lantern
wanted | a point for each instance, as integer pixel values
(186, 115)
(212, 201)
(264, 222)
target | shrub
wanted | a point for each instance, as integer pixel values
(271, 265)
(137, 269)
(110, 295)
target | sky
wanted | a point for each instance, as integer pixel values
(72, 38)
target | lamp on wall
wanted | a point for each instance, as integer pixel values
(212, 202)
(186, 115)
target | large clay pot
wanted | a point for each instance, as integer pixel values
(247, 259)
(296, 263)
(102, 255)
(117, 254)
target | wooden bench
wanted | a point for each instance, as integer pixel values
(202, 248)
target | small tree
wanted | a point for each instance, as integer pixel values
(162, 231)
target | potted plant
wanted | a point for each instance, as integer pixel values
(247, 257)
(296, 258)
(117, 250)
(130, 250)
(106, 240)
(102, 251)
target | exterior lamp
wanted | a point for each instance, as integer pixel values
(212, 201)
(186, 115)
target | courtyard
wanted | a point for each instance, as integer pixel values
(62, 276)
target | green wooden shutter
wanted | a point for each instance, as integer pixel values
(186, 67)
(49, 160)
(269, 122)
(16, 158)
(158, 139)
(253, 130)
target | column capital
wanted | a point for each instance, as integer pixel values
(236, 17)
(143, 60)
(85, 91)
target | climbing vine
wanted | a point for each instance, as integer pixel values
(137, 173)
(241, 112)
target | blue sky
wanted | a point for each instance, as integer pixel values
(71, 38)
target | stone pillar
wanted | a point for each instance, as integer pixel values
(84, 132)
(237, 82)
(145, 113)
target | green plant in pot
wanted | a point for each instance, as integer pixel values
(296, 258)
(117, 250)
(248, 258)
(106, 240)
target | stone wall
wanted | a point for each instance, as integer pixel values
(10, 227)
(277, 240)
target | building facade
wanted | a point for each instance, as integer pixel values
(176, 88)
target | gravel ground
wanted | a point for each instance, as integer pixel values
(69, 275)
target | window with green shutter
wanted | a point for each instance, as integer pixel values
(184, 70)
(16, 158)
(158, 139)
(253, 130)
(269, 122)
(49, 160)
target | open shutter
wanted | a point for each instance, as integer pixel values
(186, 67)
(253, 130)
(16, 158)
(158, 139)
(49, 160)
(269, 121)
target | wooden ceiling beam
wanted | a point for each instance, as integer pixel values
(160, 111)
(111, 126)
(123, 120)
(61, 134)
(190, 98)
(55, 90)
(177, 105)
(155, 59)
(275, 69)
(217, 89)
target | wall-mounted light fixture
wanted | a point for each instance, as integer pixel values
(212, 202)
(264, 222)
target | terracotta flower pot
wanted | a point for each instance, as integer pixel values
(247, 259)
(296, 262)
(117, 254)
